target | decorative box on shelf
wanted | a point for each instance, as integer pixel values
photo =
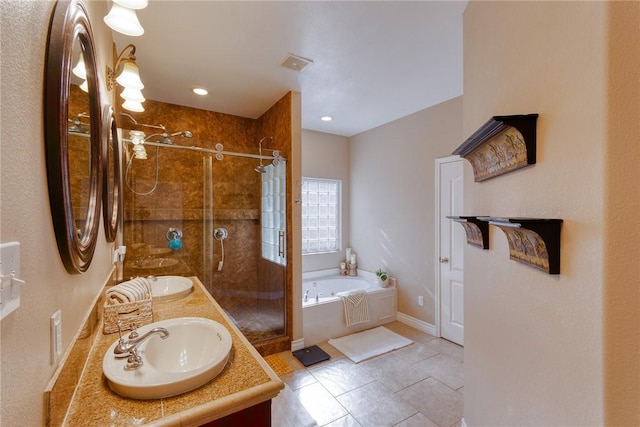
(532, 241)
(503, 144)
(477, 230)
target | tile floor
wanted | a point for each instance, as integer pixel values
(418, 385)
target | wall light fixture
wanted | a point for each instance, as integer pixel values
(127, 76)
(137, 139)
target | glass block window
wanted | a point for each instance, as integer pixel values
(273, 213)
(320, 215)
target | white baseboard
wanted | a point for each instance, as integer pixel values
(297, 345)
(420, 325)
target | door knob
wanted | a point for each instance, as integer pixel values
(444, 259)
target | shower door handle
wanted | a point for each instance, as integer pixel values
(281, 243)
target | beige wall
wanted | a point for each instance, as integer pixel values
(327, 156)
(536, 344)
(392, 199)
(26, 216)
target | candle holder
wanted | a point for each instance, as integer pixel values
(352, 269)
(343, 268)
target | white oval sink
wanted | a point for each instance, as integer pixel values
(195, 352)
(168, 288)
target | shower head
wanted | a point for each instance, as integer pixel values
(260, 168)
(78, 127)
(76, 124)
(185, 133)
(166, 137)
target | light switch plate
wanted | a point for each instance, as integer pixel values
(10, 282)
(56, 335)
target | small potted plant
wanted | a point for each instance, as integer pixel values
(383, 277)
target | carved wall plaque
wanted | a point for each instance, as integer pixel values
(527, 247)
(503, 144)
(532, 241)
(477, 230)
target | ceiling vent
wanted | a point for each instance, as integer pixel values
(296, 63)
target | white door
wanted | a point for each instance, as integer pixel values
(450, 248)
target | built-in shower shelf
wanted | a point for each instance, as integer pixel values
(477, 230)
(532, 241)
(503, 144)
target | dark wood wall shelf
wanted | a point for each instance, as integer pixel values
(532, 241)
(477, 230)
(503, 144)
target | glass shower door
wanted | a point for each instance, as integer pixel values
(250, 281)
(176, 201)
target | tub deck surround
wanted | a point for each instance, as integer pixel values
(246, 380)
(326, 318)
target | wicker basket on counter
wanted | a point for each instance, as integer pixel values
(136, 312)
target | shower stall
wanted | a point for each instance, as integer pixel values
(194, 207)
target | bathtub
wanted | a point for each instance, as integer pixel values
(323, 312)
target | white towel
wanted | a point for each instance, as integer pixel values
(139, 286)
(137, 289)
(356, 306)
(115, 297)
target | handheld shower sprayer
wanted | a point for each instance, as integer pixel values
(220, 234)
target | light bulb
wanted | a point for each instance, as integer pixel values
(123, 20)
(136, 136)
(130, 76)
(131, 94)
(133, 106)
(80, 70)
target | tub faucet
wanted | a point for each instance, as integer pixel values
(306, 295)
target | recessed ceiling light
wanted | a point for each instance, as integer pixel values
(200, 91)
(326, 118)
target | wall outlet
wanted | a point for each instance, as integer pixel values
(421, 301)
(56, 335)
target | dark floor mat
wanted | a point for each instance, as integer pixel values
(311, 355)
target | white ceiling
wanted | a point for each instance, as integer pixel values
(373, 62)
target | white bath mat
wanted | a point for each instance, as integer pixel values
(367, 344)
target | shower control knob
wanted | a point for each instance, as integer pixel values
(444, 260)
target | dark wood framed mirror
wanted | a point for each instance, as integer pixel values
(73, 135)
(111, 193)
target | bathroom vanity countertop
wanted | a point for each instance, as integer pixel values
(245, 381)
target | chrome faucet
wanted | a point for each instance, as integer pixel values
(306, 295)
(125, 347)
(318, 297)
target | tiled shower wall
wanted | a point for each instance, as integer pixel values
(178, 200)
